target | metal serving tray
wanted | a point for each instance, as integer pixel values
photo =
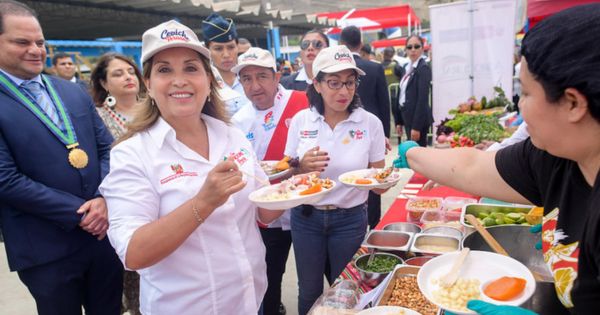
(436, 240)
(388, 240)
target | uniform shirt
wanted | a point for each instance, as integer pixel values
(351, 145)
(558, 185)
(220, 268)
(236, 103)
(259, 126)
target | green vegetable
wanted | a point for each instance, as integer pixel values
(380, 264)
(500, 221)
(489, 221)
(508, 220)
(482, 215)
(515, 216)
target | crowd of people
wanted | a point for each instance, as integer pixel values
(130, 192)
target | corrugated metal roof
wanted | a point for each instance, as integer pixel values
(128, 19)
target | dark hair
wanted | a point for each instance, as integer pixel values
(99, 73)
(9, 7)
(389, 49)
(319, 32)
(243, 40)
(316, 100)
(59, 55)
(562, 52)
(366, 48)
(350, 37)
(417, 37)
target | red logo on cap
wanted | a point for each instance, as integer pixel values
(342, 57)
(174, 35)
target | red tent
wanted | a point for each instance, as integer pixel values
(374, 18)
(537, 10)
(393, 42)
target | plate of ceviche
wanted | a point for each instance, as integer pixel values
(292, 192)
(276, 169)
(375, 178)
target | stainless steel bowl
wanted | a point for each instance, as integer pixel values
(403, 227)
(444, 230)
(520, 245)
(370, 278)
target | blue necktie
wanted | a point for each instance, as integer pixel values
(35, 89)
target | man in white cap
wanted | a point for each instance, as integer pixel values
(265, 124)
(220, 37)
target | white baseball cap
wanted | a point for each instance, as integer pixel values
(167, 35)
(255, 57)
(334, 59)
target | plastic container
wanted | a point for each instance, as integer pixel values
(433, 216)
(416, 207)
(453, 215)
(456, 203)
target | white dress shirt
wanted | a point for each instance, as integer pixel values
(239, 102)
(220, 268)
(351, 145)
(519, 135)
(303, 76)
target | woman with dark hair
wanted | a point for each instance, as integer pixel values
(177, 198)
(413, 112)
(335, 135)
(117, 88)
(311, 44)
(558, 167)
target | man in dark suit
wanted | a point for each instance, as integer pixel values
(54, 152)
(374, 97)
(65, 68)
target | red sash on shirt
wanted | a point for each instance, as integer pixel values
(297, 102)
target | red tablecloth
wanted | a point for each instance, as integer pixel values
(397, 213)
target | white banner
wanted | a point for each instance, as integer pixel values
(493, 48)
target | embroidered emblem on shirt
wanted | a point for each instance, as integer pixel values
(309, 134)
(240, 157)
(250, 136)
(268, 121)
(357, 134)
(178, 172)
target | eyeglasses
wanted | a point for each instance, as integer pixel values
(317, 44)
(336, 85)
(409, 47)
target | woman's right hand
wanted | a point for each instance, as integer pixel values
(313, 161)
(221, 182)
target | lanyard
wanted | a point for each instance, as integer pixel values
(69, 138)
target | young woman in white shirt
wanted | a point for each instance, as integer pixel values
(177, 198)
(333, 136)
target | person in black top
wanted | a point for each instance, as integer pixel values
(558, 167)
(311, 44)
(412, 110)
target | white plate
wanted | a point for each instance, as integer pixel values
(257, 197)
(485, 266)
(388, 310)
(396, 176)
(276, 175)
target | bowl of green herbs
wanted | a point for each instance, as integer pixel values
(373, 273)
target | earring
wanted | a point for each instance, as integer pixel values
(110, 100)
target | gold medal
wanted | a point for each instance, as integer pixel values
(78, 158)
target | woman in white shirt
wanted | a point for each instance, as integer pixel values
(333, 136)
(177, 198)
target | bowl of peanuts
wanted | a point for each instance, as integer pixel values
(480, 267)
